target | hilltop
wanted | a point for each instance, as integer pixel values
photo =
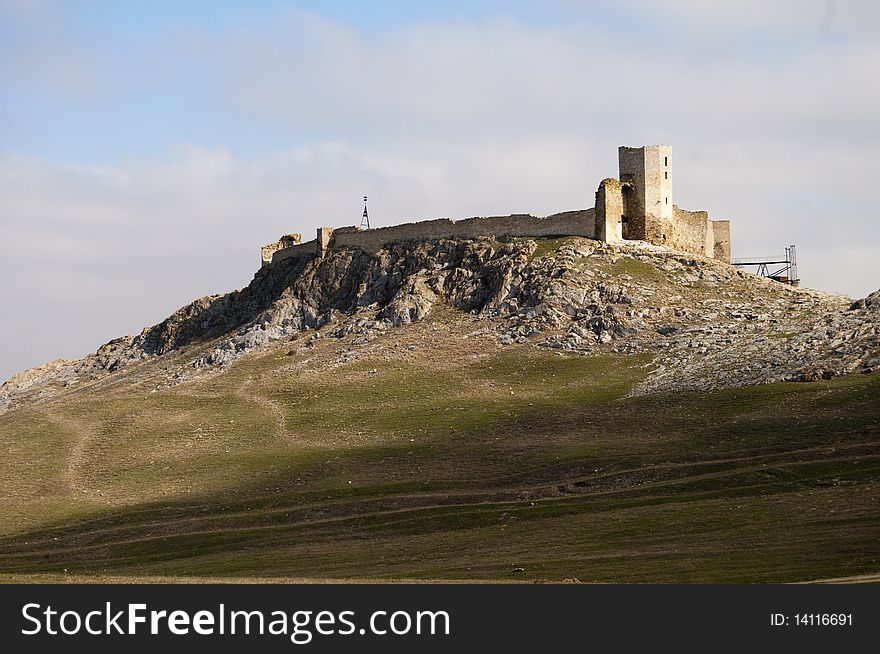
(461, 408)
(706, 324)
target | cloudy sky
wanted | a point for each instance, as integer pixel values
(148, 148)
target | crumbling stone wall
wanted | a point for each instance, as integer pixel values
(690, 232)
(709, 245)
(324, 240)
(568, 223)
(609, 211)
(285, 242)
(721, 236)
(306, 249)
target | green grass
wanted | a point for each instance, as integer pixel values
(635, 268)
(547, 246)
(402, 469)
(400, 399)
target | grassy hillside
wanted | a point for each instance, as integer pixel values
(443, 457)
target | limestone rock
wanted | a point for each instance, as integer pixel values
(585, 297)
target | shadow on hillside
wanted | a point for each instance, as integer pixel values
(784, 472)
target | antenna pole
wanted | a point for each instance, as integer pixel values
(365, 219)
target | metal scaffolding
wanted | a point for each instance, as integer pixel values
(782, 269)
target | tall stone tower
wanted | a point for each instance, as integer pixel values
(649, 172)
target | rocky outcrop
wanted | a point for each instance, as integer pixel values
(705, 323)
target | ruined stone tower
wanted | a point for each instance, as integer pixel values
(646, 210)
(648, 171)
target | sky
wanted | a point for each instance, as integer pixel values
(149, 148)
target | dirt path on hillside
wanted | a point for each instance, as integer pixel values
(249, 391)
(76, 458)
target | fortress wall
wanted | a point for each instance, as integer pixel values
(689, 231)
(656, 230)
(709, 247)
(568, 223)
(299, 250)
(580, 222)
(324, 240)
(721, 236)
(372, 240)
(609, 211)
(267, 251)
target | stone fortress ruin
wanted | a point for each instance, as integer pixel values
(637, 206)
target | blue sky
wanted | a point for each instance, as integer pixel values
(145, 87)
(147, 149)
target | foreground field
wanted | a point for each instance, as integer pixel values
(440, 458)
